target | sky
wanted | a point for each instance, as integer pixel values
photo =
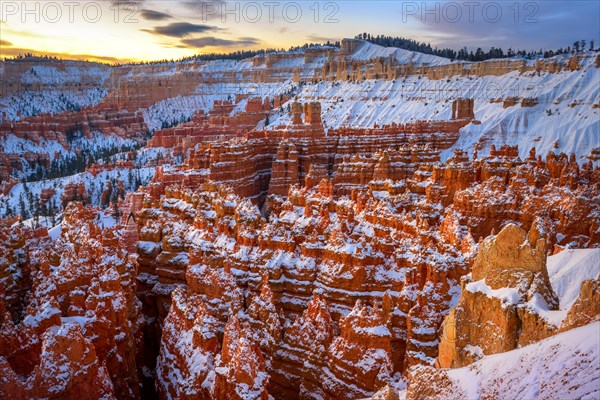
(149, 30)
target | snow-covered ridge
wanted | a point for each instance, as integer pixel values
(52, 75)
(369, 51)
(32, 87)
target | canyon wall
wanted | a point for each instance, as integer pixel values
(269, 162)
(37, 74)
(370, 277)
(285, 260)
(336, 288)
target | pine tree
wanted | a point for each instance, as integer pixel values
(22, 209)
(116, 211)
(52, 212)
(138, 181)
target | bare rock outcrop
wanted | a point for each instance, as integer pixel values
(509, 274)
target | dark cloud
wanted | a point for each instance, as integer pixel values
(126, 2)
(210, 41)
(180, 29)
(531, 26)
(152, 15)
(321, 39)
(205, 9)
(5, 43)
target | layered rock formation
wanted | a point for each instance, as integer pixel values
(218, 123)
(320, 294)
(269, 162)
(75, 334)
(102, 119)
(368, 278)
(289, 261)
(47, 136)
(74, 192)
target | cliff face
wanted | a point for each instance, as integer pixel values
(510, 269)
(585, 310)
(270, 162)
(47, 137)
(337, 295)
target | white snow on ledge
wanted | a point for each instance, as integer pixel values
(507, 295)
(564, 366)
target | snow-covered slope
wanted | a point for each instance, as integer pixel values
(568, 269)
(565, 366)
(50, 86)
(572, 124)
(31, 103)
(369, 51)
